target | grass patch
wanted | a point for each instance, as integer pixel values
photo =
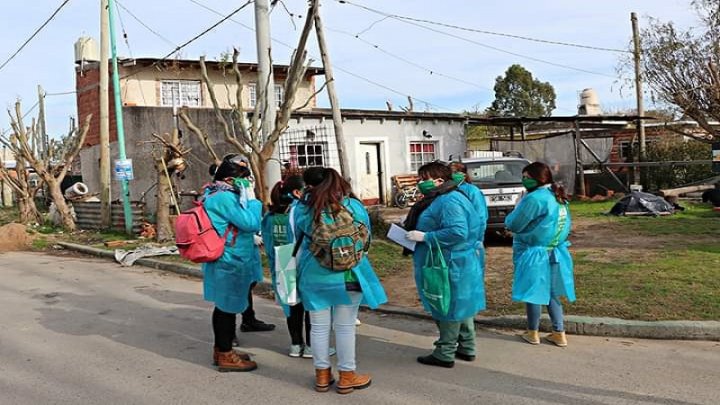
(40, 244)
(661, 284)
(387, 259)
(8, 215)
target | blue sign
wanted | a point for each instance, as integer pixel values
(123, 170)
(716, 157)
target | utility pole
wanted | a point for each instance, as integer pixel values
(266, 89)
(42, 132)
(334, 104)
(119, 121)
(638, 93)
(105, 174)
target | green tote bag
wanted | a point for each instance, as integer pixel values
(436, 281)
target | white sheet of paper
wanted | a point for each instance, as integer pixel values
(397, 235)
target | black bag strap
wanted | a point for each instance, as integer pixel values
(298, 243)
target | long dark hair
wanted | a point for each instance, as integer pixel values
(228, 168)
(542, 173)
(281, 194)
(329, 193)
(435, 170)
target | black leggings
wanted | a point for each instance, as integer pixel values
(224, 325)
(248, 315)
(295, 324)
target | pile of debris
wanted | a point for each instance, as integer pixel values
(14, 237)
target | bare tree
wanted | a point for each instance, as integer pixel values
(245, 133)
(682, 67)
(168, 161)
(51, 166)
(25, 191)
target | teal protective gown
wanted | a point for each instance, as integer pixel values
(321, 288)
(543, 265)
(455, 223)
(226, 281)
(477, 198)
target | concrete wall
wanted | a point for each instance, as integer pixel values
(142, 89)
(394, 136)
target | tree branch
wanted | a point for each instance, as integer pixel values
(202, 137)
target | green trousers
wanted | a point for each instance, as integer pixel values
(455, 337)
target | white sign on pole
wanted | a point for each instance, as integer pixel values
(123, 169)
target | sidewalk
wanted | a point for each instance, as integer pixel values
(578, 325)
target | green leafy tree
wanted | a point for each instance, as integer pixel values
(518, 94)
(682, 67)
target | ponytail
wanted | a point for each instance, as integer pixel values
(560, 194)
(329, 193)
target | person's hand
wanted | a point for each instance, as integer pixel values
(415, 236)
(250, 192)
(258, 240)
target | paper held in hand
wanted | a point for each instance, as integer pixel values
(397, 235)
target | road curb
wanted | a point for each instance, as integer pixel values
(578, 325)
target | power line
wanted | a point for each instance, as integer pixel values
(476, 42)
(171, 53)
(408, 61)
(136, 18)
(37, 31)
(334, 65)
(479, 31)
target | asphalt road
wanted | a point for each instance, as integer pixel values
(85, 331)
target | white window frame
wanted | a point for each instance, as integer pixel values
(308, 156)
(415, 166)
(183, 96)
(252, 95)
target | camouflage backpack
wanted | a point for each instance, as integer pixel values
(339, 242)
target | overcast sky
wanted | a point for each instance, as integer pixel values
(463, 62)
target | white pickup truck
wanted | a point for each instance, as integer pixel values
(500, 179)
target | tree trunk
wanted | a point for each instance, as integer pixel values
(165, 230)
(27, 209)
(258, 165)
(63, 209)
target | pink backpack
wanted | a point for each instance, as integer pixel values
(196, 238)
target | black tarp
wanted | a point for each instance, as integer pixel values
(639, 203)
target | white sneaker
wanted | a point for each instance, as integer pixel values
(357, 322)
(295, 351)
(307, 352)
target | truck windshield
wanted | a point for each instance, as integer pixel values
(496, 172)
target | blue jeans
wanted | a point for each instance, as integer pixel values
(342, 318)
(555, 310)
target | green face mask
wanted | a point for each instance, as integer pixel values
(529, 183)
(458, 177)
(241, 183)
(426, 186)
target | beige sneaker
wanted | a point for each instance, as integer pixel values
(531, 336)
(557, 338)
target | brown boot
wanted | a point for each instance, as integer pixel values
(350, 381)
(231, 361)
(242, 355)
(323, 379)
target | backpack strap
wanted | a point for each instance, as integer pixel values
(298, 243)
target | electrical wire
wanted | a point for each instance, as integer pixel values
(171, 53)
(37, 31)
(136, 18)
(408, 61)
(479, 31)
(437, 107)
(477, 42)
